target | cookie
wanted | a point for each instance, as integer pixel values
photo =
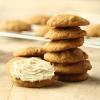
(14, 26)
(93, 30)
(65, 33)
(29, 52)
(40, 30)
(68, 56)
(66, 20)
(61, 45)
(38, 19)
(72, 78)
(31, 72)
(75, 68)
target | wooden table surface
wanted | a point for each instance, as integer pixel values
(87, 90)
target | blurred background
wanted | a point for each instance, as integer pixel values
(22, 8)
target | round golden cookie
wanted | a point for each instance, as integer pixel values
(75, 68)
(72, 78)
(34, 84)
(61, 45)
(41, 30)
(65, 33)
(66, 20)
(93, 30)
(68, 56)
(29, 52)
(14, 26)
(38, 19)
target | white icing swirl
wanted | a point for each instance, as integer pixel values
(32, 69)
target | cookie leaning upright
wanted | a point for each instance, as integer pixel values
(29, 52)
(63, 52)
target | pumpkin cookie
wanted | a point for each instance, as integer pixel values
(72, 78)
(68, 56)
(65, 33)
(75, 68)
(66, 20)
(29, 52)
(14, 26)
(38, 19)
(31, 72)
(61, 45)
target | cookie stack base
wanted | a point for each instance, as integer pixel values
(72, 78)
(75, 68)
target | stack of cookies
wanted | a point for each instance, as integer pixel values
(69, 61)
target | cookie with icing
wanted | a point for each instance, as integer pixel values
(31, 72)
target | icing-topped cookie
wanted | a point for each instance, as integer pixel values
(32, 70)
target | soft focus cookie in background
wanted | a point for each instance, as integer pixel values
(14, 26)
(38, 23)
(29, 52)
(38, 19)
(66, 20)
(31, 72)
(40, 30)
(93, 30)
